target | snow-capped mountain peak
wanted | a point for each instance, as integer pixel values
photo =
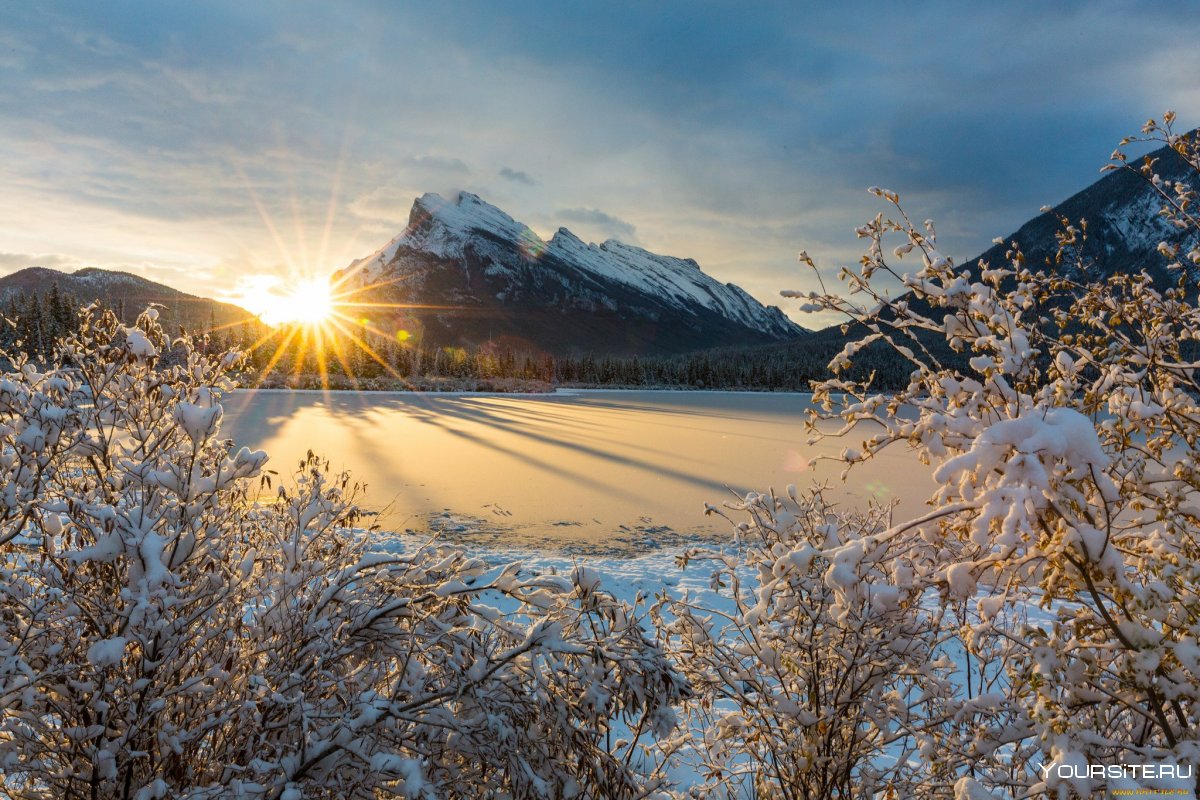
(563, 238)
(443, 228)
(495, 258)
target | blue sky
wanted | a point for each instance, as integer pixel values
(220, 147)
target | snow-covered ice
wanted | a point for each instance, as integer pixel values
(594, 471)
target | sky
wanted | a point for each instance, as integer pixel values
(231, 148)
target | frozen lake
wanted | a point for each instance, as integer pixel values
(591, 469)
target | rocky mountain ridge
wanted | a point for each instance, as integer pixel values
(467, 273)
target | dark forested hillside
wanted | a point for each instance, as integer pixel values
(126, 294)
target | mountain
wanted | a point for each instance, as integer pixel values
(466, 273)
(1124, 224)
(1124, 231)
(127, 294)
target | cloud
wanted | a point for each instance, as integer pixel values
(439, 164)
(517, 176)
(409, 178)
(598, 219)
(11, 262)
(267, 136)
(385, 204)
(15, 52)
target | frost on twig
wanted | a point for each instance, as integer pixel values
(1043, 611)
(1063, 538)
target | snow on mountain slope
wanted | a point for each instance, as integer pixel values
(443, 229)
(516, 263)
(1125, 225)
(679, 278)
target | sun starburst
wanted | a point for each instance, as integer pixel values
(318, 323)
(308, 301)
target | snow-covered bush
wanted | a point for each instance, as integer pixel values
(1065, 532)
(175, 622)
(811, 682)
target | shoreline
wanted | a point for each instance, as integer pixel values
(559, 391)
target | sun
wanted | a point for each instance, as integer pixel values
(307, 301)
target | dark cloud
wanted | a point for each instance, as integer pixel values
(598, 219)
(517, 176)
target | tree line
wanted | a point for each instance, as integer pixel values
(788, 366)
(38, 321)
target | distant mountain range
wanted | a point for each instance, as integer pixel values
(474, 274)
(124, 293)
(466, 273)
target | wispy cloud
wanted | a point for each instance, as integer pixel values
(11, 262)
(596, 218)
(517, 176)
(439, 164)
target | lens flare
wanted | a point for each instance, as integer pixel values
(531, 245)
(308, 301)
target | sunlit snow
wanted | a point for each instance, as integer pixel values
(594, 468)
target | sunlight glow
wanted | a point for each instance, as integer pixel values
(308, 301)
(316, 323)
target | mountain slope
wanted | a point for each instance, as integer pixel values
(481, 276)
(125, 293)
(1124, 224)
(1124, 229)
